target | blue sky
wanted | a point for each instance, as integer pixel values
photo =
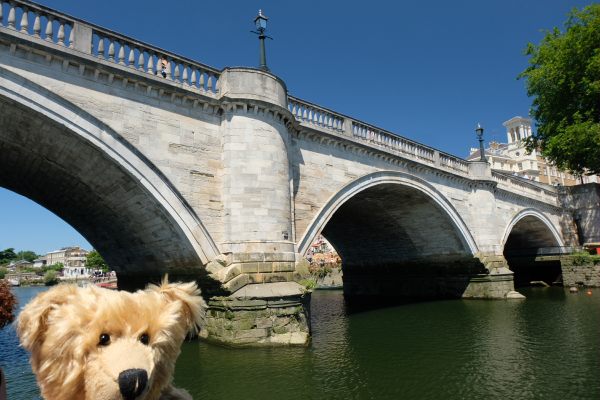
(425, 70)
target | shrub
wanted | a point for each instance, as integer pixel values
(309, 283)
(50, 278)
(7, 304)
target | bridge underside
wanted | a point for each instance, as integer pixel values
(528, 237)
(394, 240)
(51, 165)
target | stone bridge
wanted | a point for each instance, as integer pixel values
(224, 177)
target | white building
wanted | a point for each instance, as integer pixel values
(513, 157)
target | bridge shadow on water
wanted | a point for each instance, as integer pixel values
(360, 304)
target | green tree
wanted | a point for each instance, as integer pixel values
(26, 255)
(7, 255)
(3, 272)
(56, 267)
(563, 78)
(94, 260)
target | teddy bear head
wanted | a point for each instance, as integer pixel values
(94, 343)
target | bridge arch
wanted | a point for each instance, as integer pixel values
(386, 178)
(531, 234)
(530, 220)
(397, 236)
(57, 154)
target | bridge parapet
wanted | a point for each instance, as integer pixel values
(322, 119)
(48, 25)
(544, 193)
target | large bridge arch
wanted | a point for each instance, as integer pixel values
(58, 155)
(397, 235)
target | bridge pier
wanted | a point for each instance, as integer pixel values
(260, 314)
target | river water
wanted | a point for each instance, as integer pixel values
(546, 347)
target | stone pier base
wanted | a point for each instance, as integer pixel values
(267, 314)
(490, 286)
(497, 283)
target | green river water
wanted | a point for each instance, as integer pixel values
(546, 347)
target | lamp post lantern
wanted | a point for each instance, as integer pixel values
(261, 26)
(479, 133)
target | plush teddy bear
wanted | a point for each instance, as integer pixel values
(98, 344)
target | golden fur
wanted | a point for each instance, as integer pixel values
(61, 328)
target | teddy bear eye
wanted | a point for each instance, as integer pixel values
(104, 339)
(144, 338)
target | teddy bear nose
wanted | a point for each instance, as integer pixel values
(132, 383)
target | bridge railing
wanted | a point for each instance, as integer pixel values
(524, 186)
(320, 118)
(46, 24)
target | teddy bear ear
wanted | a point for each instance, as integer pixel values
(188, 293)
(31, 323)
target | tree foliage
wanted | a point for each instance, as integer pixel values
(26, 255)
(94, 260)
(7, 255)
(563, 77)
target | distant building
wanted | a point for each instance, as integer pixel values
(39, 262)
(73, 260)
(321, 251)
(69, 257)
(19, 265)
(512, 157)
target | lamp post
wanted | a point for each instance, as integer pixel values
(261, 26)
(479, 133)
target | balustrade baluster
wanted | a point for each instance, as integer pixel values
(202, 80)
(131, 59)
(217, 84)
(100, 47)
(168, 69)
(25, 21)
(1, 14)
(176, 72)
(49, 29)
(121, 56)
(209, 82)
(12, 16)
(150, 68)
(37, 26)
(61, 33)
(141, 60)
(111, 50)
(72, 37)
(194, 78)
(185, 75)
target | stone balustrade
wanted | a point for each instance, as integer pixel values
(44, 23)
(320, 118)
(316, 116)
(520, 185)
